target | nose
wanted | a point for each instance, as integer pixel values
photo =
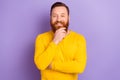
(58, 18)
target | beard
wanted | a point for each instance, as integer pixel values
(63, 25)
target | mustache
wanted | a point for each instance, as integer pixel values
(59, 22)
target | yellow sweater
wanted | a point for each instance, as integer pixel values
(68, 58)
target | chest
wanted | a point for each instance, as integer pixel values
(67, 50)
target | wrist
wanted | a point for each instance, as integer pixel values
(55, 41)
(49, 66)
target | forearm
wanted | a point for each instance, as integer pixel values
(69, 67)
(73, 66)
(44, 58)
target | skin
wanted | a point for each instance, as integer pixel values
(59, 19)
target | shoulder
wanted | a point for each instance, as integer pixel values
(78, 35)
(44, 35)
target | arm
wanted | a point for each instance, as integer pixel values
(75, 66)
(43, 56)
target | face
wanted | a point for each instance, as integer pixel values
(59, 18)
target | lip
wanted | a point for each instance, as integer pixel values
(59, 24)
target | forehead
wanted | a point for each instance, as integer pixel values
(59, 9)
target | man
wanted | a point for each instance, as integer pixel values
(60, 54)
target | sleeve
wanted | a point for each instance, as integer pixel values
(78, 64)
(43, 55)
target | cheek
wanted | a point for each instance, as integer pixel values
(65, 19)
(53, 19)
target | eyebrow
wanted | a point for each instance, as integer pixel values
(55, 13)
(62, 13)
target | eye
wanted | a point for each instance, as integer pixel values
(53, 15)
(62, 15)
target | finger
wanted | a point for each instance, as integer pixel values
(60, 32)
(60, 29)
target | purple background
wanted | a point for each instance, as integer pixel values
(22, 20)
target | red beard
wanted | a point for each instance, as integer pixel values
(55, 27)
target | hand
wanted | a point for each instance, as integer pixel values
(49, 66)
(59, 35)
